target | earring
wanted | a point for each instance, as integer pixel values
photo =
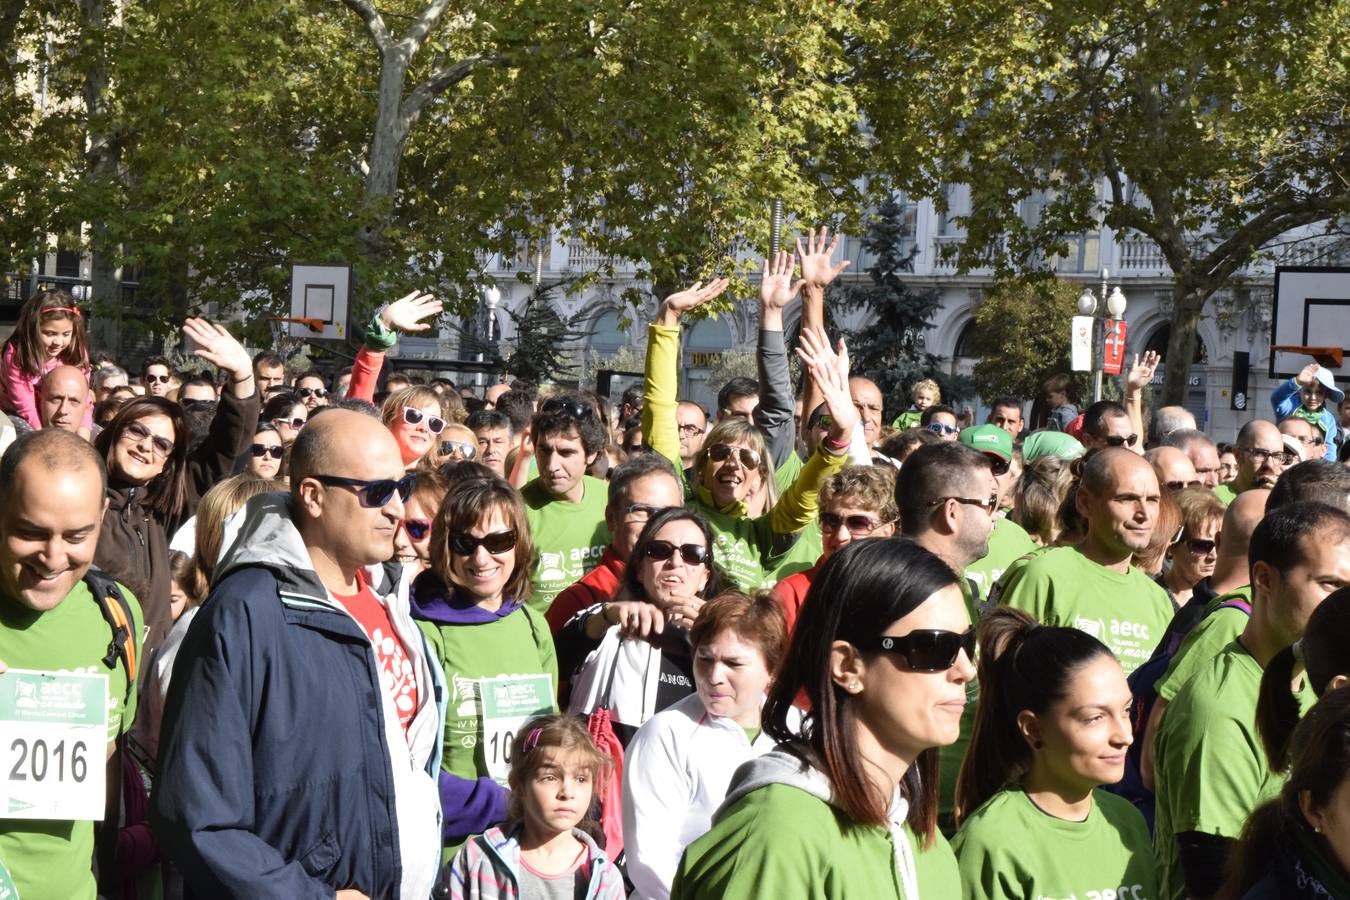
(1039, 745)
(1317, 829)
(853, 687)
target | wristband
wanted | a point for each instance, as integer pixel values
(240, 380)
(379, 338)
(837, 446)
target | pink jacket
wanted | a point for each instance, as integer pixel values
(18, 389)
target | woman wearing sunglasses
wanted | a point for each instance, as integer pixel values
(287, 414)
(265, 453)
(155, 481)
(1194, 554)
(846, 805)
(471, 606)
(412, 541)
(632, 656)
(416, 418)
(1053, 726)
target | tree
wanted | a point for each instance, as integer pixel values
(891, 348)
(545, 345)
(1021, 337)
(1216, 128)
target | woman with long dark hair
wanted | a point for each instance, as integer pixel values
(847, 805)
(1053, 725)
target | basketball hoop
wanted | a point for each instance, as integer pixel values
(1327, 357)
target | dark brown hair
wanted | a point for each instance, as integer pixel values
(860, 591)
(758, 620)
(466, 504)
(632, 588)
(45, 306)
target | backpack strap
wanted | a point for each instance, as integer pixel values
(117, 613)
(1233, 604)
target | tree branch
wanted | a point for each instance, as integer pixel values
(374, 21)
(417, 33)
(447, 76)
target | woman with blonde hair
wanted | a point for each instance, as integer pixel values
(416, 417)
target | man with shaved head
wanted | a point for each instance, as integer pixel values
(1261, 458)
(53, 485)
(63, 398)
(1202, 451)
(1174, 469)
(1093, 586)
(301, 729)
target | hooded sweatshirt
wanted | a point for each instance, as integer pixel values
(284, 768)
(488, 868)
(780, 833)
(472, 643)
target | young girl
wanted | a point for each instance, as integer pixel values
(924, 394)
(546, 848)
(49, 333)
(1053, 725)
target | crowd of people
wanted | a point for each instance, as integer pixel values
(363, 636)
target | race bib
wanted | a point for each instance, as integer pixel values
(53, 741)
(508, 702)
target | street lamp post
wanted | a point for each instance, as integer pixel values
(492, 295)
(1108, 336)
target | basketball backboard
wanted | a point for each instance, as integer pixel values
(1312, 310)
(320, 292)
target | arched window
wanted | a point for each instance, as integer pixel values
(709, 335)
(963, 340)
(1157, 342)
(607, 333)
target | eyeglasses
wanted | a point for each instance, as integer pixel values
(1313, 441)
(306, 393)
(467, 545)
(138, 433)
(567, 406)
(988, 505)
(943, 428)
(414, 416)
(1175, 486)
(1261, 457)
(465, 450)
(998, 465)
(692, 554)
(156, 379)
(372, 494)
(689, 430)
(417, 528)
(1200, 546)
(261, 450)
(294, 424)
(643, 512)
(924, 650)
(857, 525)
(1116, 440)
(747, 457)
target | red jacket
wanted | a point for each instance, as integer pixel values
(599, 585)
(791, 593)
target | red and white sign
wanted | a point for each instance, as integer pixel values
(1113, 346)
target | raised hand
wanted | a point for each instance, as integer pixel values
(829, 371)
(406, 313)
(681, 302)
(817, 269)
(776, 289)
(1141, 372)
(218, 347)
(1307, 376)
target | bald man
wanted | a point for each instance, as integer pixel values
(1261, 459)
(1094, 586)
(334, 748)
(1174, 468)
(869, 403)
(63, 399)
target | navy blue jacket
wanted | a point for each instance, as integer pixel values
(275, 778)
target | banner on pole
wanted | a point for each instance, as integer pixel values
(1113, 346)
(1080, 346)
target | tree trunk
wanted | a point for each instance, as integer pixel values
(101, 163)
(1188, 305)
(386, 150)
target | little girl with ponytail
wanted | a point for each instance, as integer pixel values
(50, 333)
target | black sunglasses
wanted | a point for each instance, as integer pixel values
(312, 392)
(1201, 546)
(998, 465)
(414, 416)
(692, 554)
(747, 457)
(467, 545)
(568, 406)
(156, 379)
(988, 505)
(372, 494)
(417, 528)
(924, 650)
(1116, 440)
(261, 450)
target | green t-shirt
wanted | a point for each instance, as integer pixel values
(805, 553)
(1011, 850)
(743, 548)
(780, 841)
(569, 538)
(1211, 770)
(1210, 635)
(992, 598)
(1226, 493)
(1008, 542)
(1126, 611)
(51, 860)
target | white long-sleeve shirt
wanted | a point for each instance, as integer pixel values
(675, 775)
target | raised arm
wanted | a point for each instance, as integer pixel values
(236, 418)
(817, 273)
(775, 409)
(660, 383)
(1285, 398)
(403, 315)
(1140, 374)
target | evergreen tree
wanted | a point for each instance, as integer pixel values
(891, 348)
